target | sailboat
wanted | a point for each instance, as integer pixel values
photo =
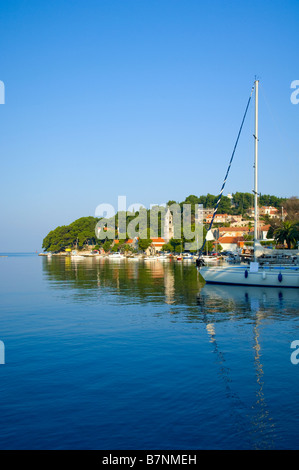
(254, 274)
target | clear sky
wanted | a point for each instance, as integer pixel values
(142, 98)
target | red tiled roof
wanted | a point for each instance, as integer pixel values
(234, 229)
(230, 239)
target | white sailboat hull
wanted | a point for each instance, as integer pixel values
(270, 276)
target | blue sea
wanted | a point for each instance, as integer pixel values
(127, 355)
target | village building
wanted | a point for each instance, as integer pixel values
(235, 231)
(240, 222)
(264, 210)
(168, 226)
(157, 244)
(218, 219)
(235, 219)
(268, 210)
(223, 219)
(133, 242)
(204, 213)
(233, 238)
(231, 243)
(263, 230)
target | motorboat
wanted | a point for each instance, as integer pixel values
(187, 257)
(163, 257)
(116, 256)
(210, 259)
(76, 256)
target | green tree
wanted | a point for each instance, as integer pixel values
(291, 206)
(177, 245)
(268, 200)
(287, 232)
(167, 247)
(107, 245)
(58, 239)
(80, 232)
(224, 205)
(242, 201)
(169, 203)
(144, 243)
(192, 200)
(114, 248)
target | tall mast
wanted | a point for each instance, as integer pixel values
(256, 167)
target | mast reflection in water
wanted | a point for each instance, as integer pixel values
(257, 306)
(135, 355)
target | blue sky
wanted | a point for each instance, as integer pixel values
(142, 99)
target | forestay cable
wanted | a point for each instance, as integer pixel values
(220, 194)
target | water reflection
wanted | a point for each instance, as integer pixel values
(133, 281)
(247, 301)
(231, 317)
(171, 283)
(219, 304)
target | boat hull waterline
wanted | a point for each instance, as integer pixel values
(241, 275)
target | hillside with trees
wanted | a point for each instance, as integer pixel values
(81, 233)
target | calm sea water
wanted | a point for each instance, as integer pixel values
(133, 355)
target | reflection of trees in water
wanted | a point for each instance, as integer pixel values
(155, 281)
(177, 285)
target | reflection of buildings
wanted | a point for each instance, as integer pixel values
(169, 285)
(133, 270)
(116, 276)
(156, 269)
(96, 276)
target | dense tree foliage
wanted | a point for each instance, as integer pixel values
(81, 232)
(287, 232)
(291, 207)
(267, 200)
(240, 203)
(143, 244)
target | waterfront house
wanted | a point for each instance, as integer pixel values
(230, 243)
